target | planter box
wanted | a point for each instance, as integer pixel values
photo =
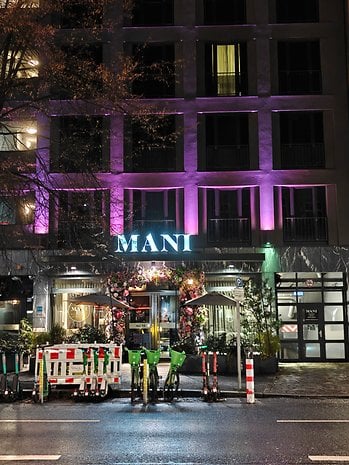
(226, 365)
(265, 366)
(191, 365)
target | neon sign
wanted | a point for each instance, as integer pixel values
(150, 244)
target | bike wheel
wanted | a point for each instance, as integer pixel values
(171, 386)
(153, 386)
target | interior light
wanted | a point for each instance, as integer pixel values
(31, 130)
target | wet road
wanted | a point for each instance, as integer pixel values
(187, 432)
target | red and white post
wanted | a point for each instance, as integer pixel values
(250, 381)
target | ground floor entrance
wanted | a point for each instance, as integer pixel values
(314, 316)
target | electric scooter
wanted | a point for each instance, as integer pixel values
(205, 369)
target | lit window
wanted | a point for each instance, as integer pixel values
(19, 3)
(22, 65)
(17, 209)
(18, 135)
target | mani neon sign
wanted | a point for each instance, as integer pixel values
(161, 243)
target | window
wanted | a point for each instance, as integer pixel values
(301, 140)
(153, 13)
(304, 214)
(297, 11)
(81, 76)
(20, 3)
(80, 14)
(20, 64)
(228, 216)
(79, 144)
(224, 12)
(227, 144)
(154, 210)
(154, 148)
(81, 218)
(156, 70)
(18, 135)
(299, 67)
(17, 209)
(225, 69)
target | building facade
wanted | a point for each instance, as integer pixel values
(255, 183)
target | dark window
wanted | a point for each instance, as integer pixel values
(225, 69)
(304, 214)
(77, 144)
(228, 216)
(79, 77)
(82, 218)
(75, 14)
(17, 210)
(152, 210)
(297, 11)
(224, 12)
(301, 140)
(153, 13)
(299, 68)
(151, 148)
(227, 147)
(156, 69)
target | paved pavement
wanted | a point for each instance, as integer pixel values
(292, 380)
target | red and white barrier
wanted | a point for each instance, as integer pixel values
(65, 365)
(250, 381)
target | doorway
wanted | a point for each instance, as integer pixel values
(152, 321)
(313, 311)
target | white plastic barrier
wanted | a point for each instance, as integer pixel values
(88, 368)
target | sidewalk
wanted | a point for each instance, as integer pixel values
(292, 380)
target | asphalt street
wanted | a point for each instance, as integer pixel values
(271, 431)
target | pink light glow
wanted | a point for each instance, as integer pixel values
(266, 207)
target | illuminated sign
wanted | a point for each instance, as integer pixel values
(149, 244)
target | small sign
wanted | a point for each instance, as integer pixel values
(39, 309)
(239, 282)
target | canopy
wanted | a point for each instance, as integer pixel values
(99, 299)
(211, 298)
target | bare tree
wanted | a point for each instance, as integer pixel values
(45, 71)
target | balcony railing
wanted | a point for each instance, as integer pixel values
(302, 156)
(227, 158)
(229, 230)
(313, 229)
(153, 160)
(227, 84)
(300, 82)
(154, 225)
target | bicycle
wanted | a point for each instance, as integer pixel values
(172, 379)
(153, 357)
(134, 359)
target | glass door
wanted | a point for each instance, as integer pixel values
(311, 332)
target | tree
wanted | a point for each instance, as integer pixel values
(260, 325)
(43, 72)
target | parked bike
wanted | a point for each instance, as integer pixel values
(171, 385)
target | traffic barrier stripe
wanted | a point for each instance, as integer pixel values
(65, 363)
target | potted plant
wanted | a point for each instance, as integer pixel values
(260, 326)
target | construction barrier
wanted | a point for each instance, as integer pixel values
(87, 369)
(250, 381)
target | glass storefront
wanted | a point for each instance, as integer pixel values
(313, 311)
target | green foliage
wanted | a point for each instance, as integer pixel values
(221, 344)
(187, 344)
(57, 334)
(259, 325)
(88, 334)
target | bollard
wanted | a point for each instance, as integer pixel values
(145, 382)
(249, 381)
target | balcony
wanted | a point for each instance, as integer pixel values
(226, 84)
(300, 82)
(160, 226)
(154, 160)
(300, 229)
(229, 230)
(227, 158)
(302, 156)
